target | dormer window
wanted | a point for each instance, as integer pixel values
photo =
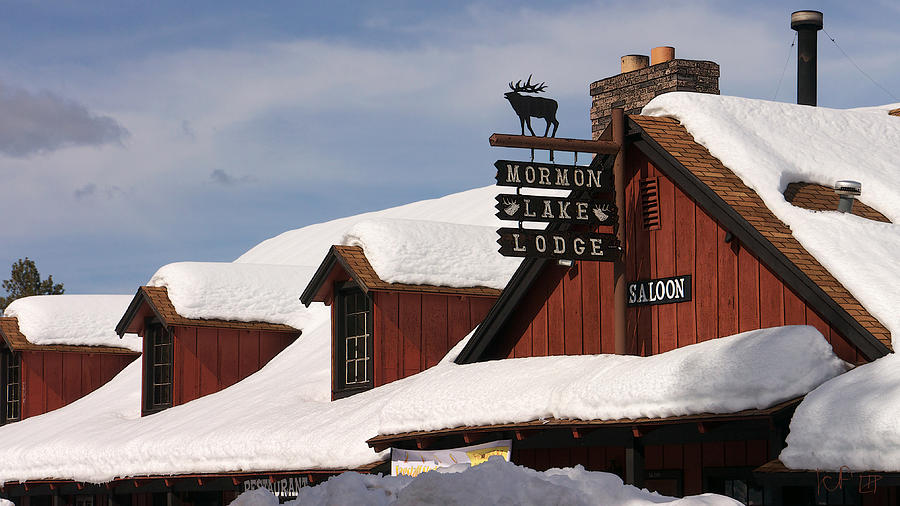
(158, 367)
(12, 387)
(353, 360)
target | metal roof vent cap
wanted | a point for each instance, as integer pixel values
(847, 190)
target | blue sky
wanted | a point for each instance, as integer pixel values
(134, 134)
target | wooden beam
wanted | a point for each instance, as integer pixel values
(423, 443)
(472, 437)
(577, 433)
(168, 482)
(200, 481)
(555, 144)
(52, 486)
(79, 486)
(521, 435)
(639, 432)
(235, 481)
(380, 447)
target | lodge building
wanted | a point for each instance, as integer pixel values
(708, 255)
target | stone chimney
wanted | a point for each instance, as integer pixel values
(639, 83)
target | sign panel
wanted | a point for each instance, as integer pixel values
(555, 209)
(415, 462)
(285, 488)
(551, 175)
(650, 292)
(517, 242)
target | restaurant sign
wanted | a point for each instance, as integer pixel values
(554, 209)
(552, 176)
(285, 488)
(650, 292)
(416, 462)
(518, 242)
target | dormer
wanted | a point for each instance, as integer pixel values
(55, 350)
(382, 331)
(187, 358)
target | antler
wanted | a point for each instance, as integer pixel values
(527, 87)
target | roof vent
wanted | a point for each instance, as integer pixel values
(847, 191)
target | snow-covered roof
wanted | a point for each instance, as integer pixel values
(281, 417)
(77, 320)
(420, 252)
(771, 144)
(236, 292)
(850, 420)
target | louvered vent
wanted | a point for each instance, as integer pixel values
(650, 202)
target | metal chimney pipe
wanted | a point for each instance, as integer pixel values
(807, 23)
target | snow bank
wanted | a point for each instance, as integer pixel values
(771, 144)
(852, 420)
(281, 417)
(237, 292)
(426, 252)
(79, 320)
(756, 369)
(494, 482)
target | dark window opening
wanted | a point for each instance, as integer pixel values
(353, 353)
(12, 386)
(744, 490)
(649, 189)
(158, 353)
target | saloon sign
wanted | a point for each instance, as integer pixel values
(650, 292)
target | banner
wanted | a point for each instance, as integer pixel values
(415, 462)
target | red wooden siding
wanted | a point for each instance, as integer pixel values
(569, 311)
(208, 359)
(52, 379)
(610, 459)
(691, 458)
(413, 331)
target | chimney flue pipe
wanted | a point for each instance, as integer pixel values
(807, 24)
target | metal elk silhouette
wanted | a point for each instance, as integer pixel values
(527, 106)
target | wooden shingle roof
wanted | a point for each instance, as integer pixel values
(816, 197)
(16, 341)
(158, 300)
(674, 139)
(353, 260)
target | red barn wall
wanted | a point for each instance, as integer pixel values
(209, 359)
(413, 331)
(570, 311)
(52, 379)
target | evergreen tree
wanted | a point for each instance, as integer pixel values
(25, 280)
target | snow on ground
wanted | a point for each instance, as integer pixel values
(280, 417)
(421, 252)
(852, 420)
(237, 292)
(494, 482)
(80, 320)
(771, 144)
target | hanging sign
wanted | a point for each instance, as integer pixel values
(518, 242)
(415, 462)
(555, 209)
(650, 292)
(551, 175)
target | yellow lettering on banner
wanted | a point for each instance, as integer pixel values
(481, 455)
